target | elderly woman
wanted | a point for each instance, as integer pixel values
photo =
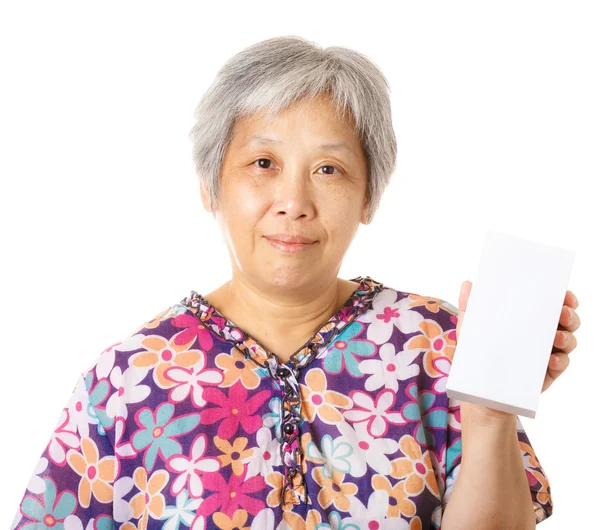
(290, 398)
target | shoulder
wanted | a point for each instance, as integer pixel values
(158, 329)
(398, 303)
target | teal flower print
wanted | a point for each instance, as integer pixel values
(416, 410)
(273, 418)
(335, 522)
(53, 512)
(97, 396)
(334, 454)
(104, 522)
(157, 433)
(184, 511)
(345, 350)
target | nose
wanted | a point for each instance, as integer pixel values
(295, 195)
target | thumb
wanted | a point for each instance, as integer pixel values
(465, 292)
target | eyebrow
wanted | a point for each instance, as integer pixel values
(340, 146)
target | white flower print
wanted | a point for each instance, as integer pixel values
(376, 413)
(127, 392)
(78, 407)
(390, 367)
(374, 515)
(192, 381)
(184, 510)
(72, 522)
(62, 437)
(443, 365)
(264, 520)
(36, 484)
(190, 469)
(367, 450)
(123, 511)
(388, 313)
(265, 456)
(334, 454)
(105, 362)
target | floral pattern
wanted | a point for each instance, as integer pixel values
(179, 426)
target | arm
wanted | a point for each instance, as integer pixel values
(75, 474)
(491, 491)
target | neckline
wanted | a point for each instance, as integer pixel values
(358, 302)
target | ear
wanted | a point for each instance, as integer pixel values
(205, 199)
(364, 218)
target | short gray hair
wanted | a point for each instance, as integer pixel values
(274, 73)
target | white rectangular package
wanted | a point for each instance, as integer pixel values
(508, 329)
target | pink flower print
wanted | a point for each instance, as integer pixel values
(233, 495)
(61, 438)
(233, 409)
(190, 470)
(192, 381)
(376, 413)
(192, 328)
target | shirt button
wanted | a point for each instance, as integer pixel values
(288, 428)
(282, 373)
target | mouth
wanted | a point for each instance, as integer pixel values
(290, 247)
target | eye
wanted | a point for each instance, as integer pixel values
(261, 166)
(333, 167)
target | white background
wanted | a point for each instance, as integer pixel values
(497, 117)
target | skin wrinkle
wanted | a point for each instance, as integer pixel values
(282, 299)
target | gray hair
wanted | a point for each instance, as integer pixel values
(274, 73)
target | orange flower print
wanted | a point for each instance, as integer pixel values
(163, 353)
(433, 305)
(532, 464)
(436, 343)
(149, 501)
(317, 400)
(275, 481)
(333, 490)
(296, 522)
(417, 468)
(235, 366)
(96, 476)
(237, 455)
(236, 522)
(398, 504)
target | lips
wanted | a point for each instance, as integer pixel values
(287, 238)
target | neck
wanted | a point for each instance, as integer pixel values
(280, 319)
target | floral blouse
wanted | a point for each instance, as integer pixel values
(190, 423)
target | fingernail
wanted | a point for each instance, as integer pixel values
(563, 335)
(575, 298)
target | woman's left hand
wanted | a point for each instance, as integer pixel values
(564, 343)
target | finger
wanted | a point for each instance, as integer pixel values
(569, 319)
(571, 300)
(558, 364)
(564, 341)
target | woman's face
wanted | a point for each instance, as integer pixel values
(287, 181)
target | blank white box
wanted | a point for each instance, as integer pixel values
(510, 324)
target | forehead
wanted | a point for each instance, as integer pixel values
(331, 128)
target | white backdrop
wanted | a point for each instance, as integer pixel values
(496, 112)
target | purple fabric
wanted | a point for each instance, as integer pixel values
(179, 426)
